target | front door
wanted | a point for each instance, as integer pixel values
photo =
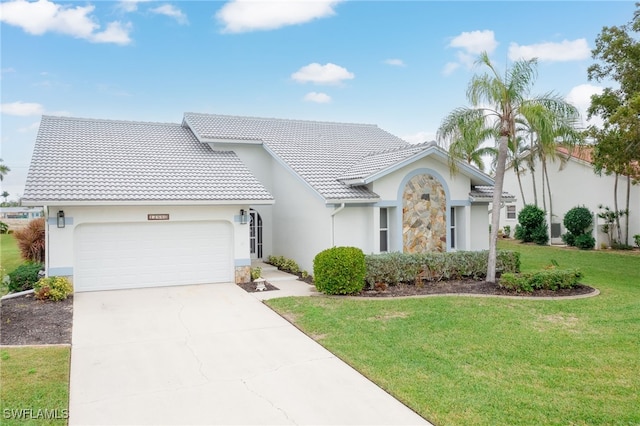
(255, 234)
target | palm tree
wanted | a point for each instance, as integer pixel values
(3, 169)
(465, 143)
(504, 98)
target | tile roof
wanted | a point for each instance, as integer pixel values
(319, 152)
(104, 160)
(377, 161)
(486, 193)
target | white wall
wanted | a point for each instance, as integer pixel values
(574, 185)
(60, 249)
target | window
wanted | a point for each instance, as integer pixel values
(511, 212)
(452, 229)
(384, 230)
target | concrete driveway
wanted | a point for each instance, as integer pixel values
(209, 354)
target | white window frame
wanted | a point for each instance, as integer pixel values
(384, 228)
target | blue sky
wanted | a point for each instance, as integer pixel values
(403, 65)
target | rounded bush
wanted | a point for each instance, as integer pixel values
(585, 242)
(339, 270)
(578, 220)
(533, 226)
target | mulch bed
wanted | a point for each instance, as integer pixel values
(28, 321)
(469, 287)
(251, 287)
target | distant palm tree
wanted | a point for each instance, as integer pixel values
(3, 169)
(465, 142)
(504, 99)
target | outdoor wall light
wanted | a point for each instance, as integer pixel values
(244, 216)
(61, 221)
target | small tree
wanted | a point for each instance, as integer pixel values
(533, 225)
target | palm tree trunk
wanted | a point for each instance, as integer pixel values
(615, 206)
(626, 219)
(520, 185)
(544, 170)
(544, 198)
(495, 211)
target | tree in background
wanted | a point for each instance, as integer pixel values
(4, 169)
(617, 148)
(500, 101)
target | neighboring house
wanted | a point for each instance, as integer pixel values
(19, 217)
(134, 204)
(573, 183)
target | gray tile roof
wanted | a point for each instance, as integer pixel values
(482, 192)
(103, 160)
(319, 152)
(377, 161)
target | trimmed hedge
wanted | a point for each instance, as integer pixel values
(394, 268)
(339, 270)
(550, 279)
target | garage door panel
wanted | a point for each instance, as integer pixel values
(130, 255)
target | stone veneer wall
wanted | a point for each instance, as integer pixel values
(243, 274)
(424, 220)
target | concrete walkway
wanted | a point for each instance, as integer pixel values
(210, 354)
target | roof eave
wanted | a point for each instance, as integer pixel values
(45, 202)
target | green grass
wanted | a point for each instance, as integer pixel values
(481, 361)
(35, 385)
(9, 253)
(10, 257)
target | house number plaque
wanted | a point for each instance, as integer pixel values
(156, 216)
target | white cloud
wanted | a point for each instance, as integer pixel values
(322, 74)
(254, 15)
(321, 98)
(44, 16)
(22, 109)
(450, 67)
(475, 42)
(420, 137)
(130, 5)
(172, 12)
(395, 62)
(580, 97)
(470, 45)
(566, 50)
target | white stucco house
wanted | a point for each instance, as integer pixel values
(573, 183)
(137, 204)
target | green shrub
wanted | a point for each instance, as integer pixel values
(24, 276)
(578, 220)
(256, 273)
(394, 268)
(549, 279)
(533, 225)
(53, 288)
(339, 270)
(4, 228)
(585, 242)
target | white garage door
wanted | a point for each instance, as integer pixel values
(151, 254)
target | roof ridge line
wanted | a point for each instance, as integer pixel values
(283, 119)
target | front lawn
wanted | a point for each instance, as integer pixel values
(9, 257)
(35, 385)
(468, 360)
